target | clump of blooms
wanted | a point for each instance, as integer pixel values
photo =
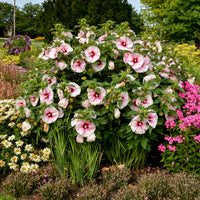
(8, 111)
(17, 44)
(182, 150)
(101, 85)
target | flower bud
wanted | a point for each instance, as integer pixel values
(117, 113)
(111, 65)
(91, 138)
(79, 139)
(46, 128)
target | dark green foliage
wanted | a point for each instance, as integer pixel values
(177, 20)
(68, 12)
(183, 20)
(27, 19)
(28, 22)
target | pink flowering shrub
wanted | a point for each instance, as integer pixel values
(181, 151)
(103, 86)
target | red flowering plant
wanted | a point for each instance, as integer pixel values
(181, 150)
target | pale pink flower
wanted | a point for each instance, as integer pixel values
(26, 126)
(63, 103)
(138, 126)
(85, 128)
(75, 119)
(19, 103)
(130, 78)
(34, 100)
(101, 39)
(61, 64)
(92, 54)
(79, 139)
(46, 96)
(91, 138)
(125, 100)
(67, 34)
(145, 66)
(98, 65)
(86, 103)
(149, 78)
(152, 118)
(148, 101)
(125, 58)
(27, 112)
(134, 107)
(50, 115)
(124, 43)
(65, 49)
(116, 54)
(96, 96)
(53, 53)
(73, 89)
(78, 66)
(50, 80)
(136, 60)
(118, 86)
(44, 55)
(159, 47)
(60, 94)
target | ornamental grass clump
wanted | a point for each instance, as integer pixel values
(103, 87)
(17, 44)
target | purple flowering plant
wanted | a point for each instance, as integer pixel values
(17, 44)
(181, 150)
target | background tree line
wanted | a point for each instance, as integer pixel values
(173, 20)
(38, 20)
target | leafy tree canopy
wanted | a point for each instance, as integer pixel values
(173, 19)
(68, 12)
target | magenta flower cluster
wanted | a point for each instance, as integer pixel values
(190, 114)
(177, 139)
(183, 150)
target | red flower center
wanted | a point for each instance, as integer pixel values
(85, 126)
(96, 95)
(71, 89)
(99, 62)
(78, 63)
(92, 53)
(145, 101)
(64, 50)
(49, 114)
(139, 123)
(124, 43)
(135, 60)
(46, 95)
(49, 80)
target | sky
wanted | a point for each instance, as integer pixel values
(135, 3)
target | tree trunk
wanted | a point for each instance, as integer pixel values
(197, 43)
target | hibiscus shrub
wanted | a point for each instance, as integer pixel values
(103, 85)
